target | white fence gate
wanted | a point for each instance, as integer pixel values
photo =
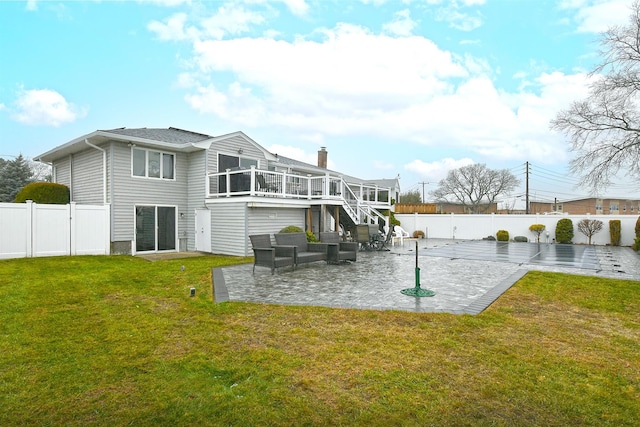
(34, 230)
(475, 227)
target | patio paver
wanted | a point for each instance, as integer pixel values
(374, 282)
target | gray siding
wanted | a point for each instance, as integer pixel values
(196, 193)
(87, 177)
(130, 191)
(230, 147)
(232, 223)
(228, 228)
(63, 171)
(272, 220)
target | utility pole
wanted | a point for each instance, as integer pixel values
(423, 184)
(526, 209)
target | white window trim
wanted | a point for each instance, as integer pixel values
(134, 243)
(146, 164)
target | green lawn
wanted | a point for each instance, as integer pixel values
(117, 341)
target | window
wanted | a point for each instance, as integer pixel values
(152, 164)
(613, 207)
(234, 163)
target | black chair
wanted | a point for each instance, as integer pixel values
(267, 255)
(263, 185)
(346, 251)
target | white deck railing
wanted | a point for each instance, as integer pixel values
(357, 199)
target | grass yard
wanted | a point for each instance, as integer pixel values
(117, 341)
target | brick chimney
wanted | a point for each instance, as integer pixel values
(322, 157)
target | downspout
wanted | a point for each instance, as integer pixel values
(104, 168)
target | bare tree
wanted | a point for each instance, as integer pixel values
(412, 196)
(41, 171)
(475, 186)
(589, 227)
(604, 128)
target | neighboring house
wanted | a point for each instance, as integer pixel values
(172, 189)
(591, 205)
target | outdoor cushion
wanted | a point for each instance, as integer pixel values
(305, 251)
(347, 251)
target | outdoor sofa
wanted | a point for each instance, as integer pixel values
(305, 252)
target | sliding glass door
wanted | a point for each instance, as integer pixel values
(155, 228)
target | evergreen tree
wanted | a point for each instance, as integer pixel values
(14, 174)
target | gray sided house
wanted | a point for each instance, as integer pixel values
(176, 190)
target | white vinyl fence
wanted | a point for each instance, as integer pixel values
(34, 230)
(475, 227)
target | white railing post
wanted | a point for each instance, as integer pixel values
(285, 180)
(30, 224)
(252, 181)
(327, 185)
(228, 183)
(72, 228)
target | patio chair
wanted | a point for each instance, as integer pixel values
(399, 233)
(363, 237)
(263, 185)
(345, 251)
(266, 255)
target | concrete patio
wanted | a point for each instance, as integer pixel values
(374, 282)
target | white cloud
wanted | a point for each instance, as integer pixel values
(32, 5)
(459, 20)
(401, 25)
(596, 16)
(44, 107)
(171, 29)
(437, 170)
(230, 20)
(297, 7)
(356, 83)
(168, 3)
(455, 14)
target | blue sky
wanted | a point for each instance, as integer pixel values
(413, 87)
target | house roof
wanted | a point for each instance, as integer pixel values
(187, 141)
(170, 135)
(171, 138)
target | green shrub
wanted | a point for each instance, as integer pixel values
(291, 229)
(295, 229)
(44, 192)
(638, 228)
(636, 244)
(564, 231)
(502, 236)
(615, 230)
(521, 239)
